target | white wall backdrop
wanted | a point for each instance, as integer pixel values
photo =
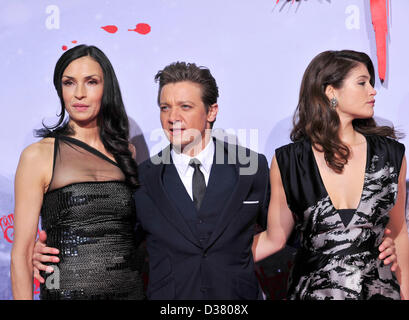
(256, 49)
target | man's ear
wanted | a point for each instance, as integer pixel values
(212, 112)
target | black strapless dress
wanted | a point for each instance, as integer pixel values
(89, 215)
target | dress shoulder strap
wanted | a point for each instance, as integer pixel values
(385, 151)
(55, 151)
(299, 176)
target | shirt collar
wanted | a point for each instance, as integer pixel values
(205, 157)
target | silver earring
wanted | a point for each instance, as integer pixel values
(334, 103)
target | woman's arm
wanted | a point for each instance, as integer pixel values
(399, 233)
(30, 182)
(280, 221)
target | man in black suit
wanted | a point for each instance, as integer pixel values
(200, 198)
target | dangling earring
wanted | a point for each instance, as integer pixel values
(334, 103)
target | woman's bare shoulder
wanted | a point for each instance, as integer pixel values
(35, 165)
(39, 151)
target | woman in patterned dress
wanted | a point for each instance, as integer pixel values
(340, 184)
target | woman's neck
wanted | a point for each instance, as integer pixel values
(349, 135)
(87, 134)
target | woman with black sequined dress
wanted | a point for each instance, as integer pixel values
(81, 177)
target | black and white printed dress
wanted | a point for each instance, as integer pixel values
(338, 259)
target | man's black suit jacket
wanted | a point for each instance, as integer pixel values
(182, 263)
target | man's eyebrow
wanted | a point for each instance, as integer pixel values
(185, 102)
(179, 102)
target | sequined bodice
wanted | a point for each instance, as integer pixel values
(92, 224)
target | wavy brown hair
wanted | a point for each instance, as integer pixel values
(316, 120)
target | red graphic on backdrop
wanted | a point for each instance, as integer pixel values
(64, 47)
(110, 28)
(7, 226)
(379, 13)
(142, 28)
(36, 286)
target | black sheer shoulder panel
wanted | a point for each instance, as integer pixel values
(77, 162)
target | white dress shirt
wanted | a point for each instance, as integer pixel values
(181, 162)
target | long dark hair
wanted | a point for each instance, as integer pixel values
(316, 120)
(112, 118)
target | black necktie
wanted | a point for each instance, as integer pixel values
(198, 183)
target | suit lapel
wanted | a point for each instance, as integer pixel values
(240, 191)
(157, 191)
(176, 191)
(221, 183)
